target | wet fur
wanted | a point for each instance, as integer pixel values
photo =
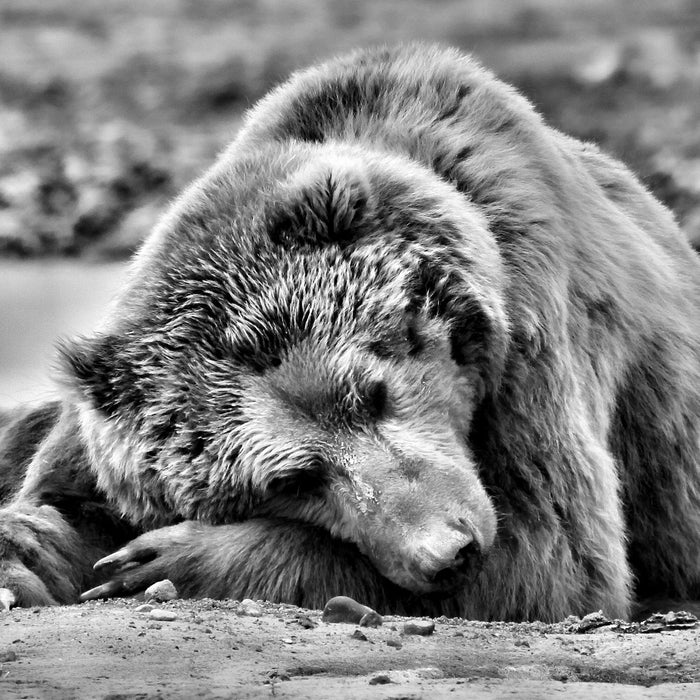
(571, 308)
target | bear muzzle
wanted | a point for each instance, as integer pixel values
(446, 563)
(463, 568)
(448, 559)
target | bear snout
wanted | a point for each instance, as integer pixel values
(465, 565)
(446, 562)
(449, 561)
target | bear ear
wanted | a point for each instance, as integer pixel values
(98, 371)
(323, 204)
(478, 339)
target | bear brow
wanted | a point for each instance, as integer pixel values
(263, 351)
(406, 340)
(270, 334)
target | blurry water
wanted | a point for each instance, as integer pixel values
(39, 302)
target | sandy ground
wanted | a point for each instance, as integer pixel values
(110, 650)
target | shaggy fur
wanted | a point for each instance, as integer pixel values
(402, 342)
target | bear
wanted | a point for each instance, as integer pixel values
(404, 342)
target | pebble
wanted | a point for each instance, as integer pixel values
(7, 598)
(250, 608)
(424, 628)
(429, 672)
(162, 591)
(8, 656)
(279, 676)
(371, 619)
(145, 608)
(359, 635)
(344, 609)
(305, 621)
(394, 643)
(380, 679)
(162, 615)
(680, 620)
(590, 622)
(651, 627)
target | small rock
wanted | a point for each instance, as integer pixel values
(423, 628)
(680, 620)
(162, 591)
(651, 627)
(279, 676)
(371, 619)
(380, 679)
(590, 622)
(344, 609)
(162, 615)
(305, 621)
(250, 608)
(429, 672)
(7, 598)
(145, 608)
(359, 635)
(394, 643)
(7, 656)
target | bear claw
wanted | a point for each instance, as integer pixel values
(106, 590)
(115, 559)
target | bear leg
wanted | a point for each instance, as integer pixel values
(42, 558)
(656, 436)
(269, 559)
(54, 523)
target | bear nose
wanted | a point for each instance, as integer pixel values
(467, 563)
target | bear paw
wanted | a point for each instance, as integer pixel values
(37, 555)
(151, 557)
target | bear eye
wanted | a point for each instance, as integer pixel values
(375, 398)
(298, 483)
(381, 349)
(273, 361)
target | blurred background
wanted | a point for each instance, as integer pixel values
(109, 107)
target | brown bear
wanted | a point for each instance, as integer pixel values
(402, 342)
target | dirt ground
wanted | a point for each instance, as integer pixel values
(211, 650)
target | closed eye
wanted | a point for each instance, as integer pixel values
(298, 483)
(375, 399)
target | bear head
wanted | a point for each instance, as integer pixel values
(306, 336)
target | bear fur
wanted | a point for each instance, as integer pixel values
(403, 342)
